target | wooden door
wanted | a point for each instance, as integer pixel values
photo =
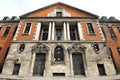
(78, 65)
(39, 65)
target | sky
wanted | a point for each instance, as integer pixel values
(99, 7)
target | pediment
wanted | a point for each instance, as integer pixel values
(68, 11)
(77, 47)
(40, 48)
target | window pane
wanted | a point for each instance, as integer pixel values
(0, 28)
(59, 14)
(45, 34)
(118, 49)
(101, 69)
(16, 69)
(59, 33)
(59, 54)
(90, 28)
(118, 29)
(72, 34)
(22, 47)
(96, 47)
(6, 32)
(0, 48)
(112, 32)
(27, 29)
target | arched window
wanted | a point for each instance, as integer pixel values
(21, 47)
(58, 54)
(96, 46)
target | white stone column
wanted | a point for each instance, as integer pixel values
(38, 28)
(49, 33)
(79, 26)
(64, 27)
(53, 30)
(68, 31)
(67, 60)
(32, 64)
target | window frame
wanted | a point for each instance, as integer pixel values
(0, 49)
(4, 34)
(104, 71)
(62, 38)
(62, 54)
(59, 14)
(19, 45)
(89, 30)
(96, 47)
(16, 64)
(118, 50)
(45, 32)
(26, 27)
(112, 32)
(74, 32)
(118, 28)
(0, 28)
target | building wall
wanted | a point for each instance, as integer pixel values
(35, 30)
(98, 35)
(90, 58)
(5, 42)
(21, 36)
(113, 43)
(92, 47)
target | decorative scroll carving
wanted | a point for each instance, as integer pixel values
(76, 48)
(40, 47)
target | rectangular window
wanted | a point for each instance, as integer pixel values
(112, 32)
(16, 69)
(103, 31)
(58, 14)
(6, 32)
(0, 48)
(59, 33)
(45, 34)
(101, 69)
(118, 29)
(73, 33)
(27, 29)
(59, 74)
(6, 53)
(90, 28)
(0, 28)
(118, 49)
(15, 31)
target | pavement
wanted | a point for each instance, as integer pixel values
(9, 77)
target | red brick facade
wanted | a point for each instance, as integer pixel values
(113, 42)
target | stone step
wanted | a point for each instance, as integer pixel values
(9, 77)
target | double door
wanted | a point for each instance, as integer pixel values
(39, 65)
(78, 65)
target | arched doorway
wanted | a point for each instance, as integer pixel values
(58, 54)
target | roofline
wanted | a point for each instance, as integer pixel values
(59, 3)
(109, 21)
(58, 18)
(17, 21)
